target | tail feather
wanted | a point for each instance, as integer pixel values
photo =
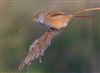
(38, 47)
(82, 16)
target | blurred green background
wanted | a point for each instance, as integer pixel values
(75, 50)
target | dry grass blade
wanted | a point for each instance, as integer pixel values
(38, 47)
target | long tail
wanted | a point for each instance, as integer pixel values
(76, 14)
(85, 10)
(38, 47)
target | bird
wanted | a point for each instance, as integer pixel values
(56, 19)
(53, 19)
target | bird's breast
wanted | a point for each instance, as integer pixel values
(56, 23)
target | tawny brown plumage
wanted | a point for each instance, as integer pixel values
(53, 19)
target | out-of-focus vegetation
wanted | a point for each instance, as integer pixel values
(75, 50)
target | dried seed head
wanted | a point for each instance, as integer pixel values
(38, 47)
